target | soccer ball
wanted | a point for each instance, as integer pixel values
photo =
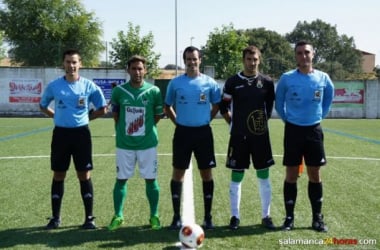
(191, 235)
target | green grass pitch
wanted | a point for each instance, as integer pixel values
(351, 193)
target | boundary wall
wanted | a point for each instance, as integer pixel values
(21, 89)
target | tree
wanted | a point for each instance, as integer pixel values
(172, 67)
(127, 45)
(335, 54)
(2, 49)
(276, 52)
(39, 31)
(223, 50)
(377, 71)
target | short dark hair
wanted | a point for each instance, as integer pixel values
(251, 50)
(191, 49)
(302, 43)
(136, 58)
(70, 52)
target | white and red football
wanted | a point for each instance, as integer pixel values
(191, 235)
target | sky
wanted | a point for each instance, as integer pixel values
(196, 19)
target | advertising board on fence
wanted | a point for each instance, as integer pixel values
(25, 90)
(106, 85)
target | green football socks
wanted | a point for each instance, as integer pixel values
(153, 193)
(120, 191)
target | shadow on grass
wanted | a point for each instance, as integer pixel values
(75, 236)
(102, 238)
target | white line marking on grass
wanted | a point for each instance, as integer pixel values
(23, 157)
(166, 154)
(353, 158)
(350, 158)
(188, 214)
(188, 211)
(47, 156)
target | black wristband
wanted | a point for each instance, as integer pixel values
(90, 112)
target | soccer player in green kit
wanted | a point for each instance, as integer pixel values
(137, 107)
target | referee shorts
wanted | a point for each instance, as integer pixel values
(199, 140)
(75, 142)
(306, 142)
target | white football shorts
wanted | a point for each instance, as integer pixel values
(126, 161)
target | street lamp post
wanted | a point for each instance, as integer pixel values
(106, 54)
(175, 27)
(191, 40)
(180, 59)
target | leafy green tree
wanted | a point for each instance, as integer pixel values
(223, 50)
(377, 71)
(2, 49)
(39, 31)
(335, 54)
(277, 54)
(127, 45)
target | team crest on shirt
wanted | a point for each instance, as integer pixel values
(145, 101)
(259, 84)
(256, 122)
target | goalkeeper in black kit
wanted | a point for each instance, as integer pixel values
(246, 105)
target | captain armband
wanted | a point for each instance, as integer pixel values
(115, 108)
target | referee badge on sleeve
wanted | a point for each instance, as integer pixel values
(202, 98)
